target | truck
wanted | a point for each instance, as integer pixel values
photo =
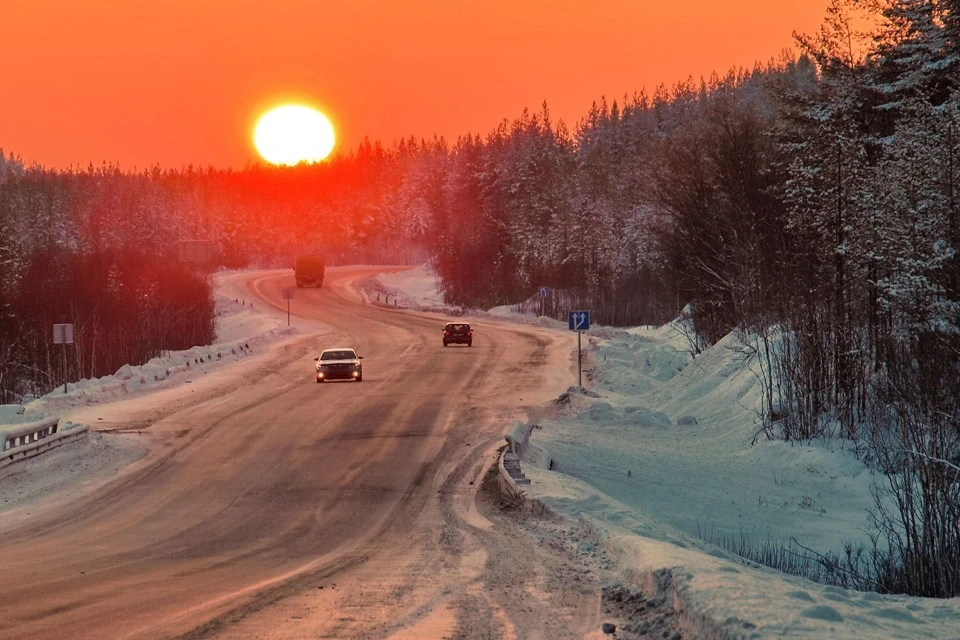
(308, 270)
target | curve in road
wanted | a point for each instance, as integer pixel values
(282, 486)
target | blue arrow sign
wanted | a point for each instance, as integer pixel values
(579, 320)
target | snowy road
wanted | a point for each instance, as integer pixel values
(276, 507)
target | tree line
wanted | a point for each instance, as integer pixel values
(809, 204)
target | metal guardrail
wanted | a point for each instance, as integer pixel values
(21, 441)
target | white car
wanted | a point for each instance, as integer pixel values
(340, 363)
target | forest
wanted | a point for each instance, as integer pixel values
(809, 204)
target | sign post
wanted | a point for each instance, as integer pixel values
(288, 294)
(543, 293)
(579, 322)
(63, 335)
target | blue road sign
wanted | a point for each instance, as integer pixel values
(543, 292)
(579, 320)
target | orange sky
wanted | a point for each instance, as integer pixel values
(181, 82)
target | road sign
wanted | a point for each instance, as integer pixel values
(543, 292)
(579, 320)
(63, 334)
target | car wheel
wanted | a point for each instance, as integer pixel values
(360, 378)
(470, 344)
(444, 343)
(319, 380)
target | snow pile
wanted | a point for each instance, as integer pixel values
(408, 288)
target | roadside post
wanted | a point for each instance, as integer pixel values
(543, 293)
(288, 296)
(579, 322)
(63, 335)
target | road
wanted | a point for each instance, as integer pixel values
(282, 508)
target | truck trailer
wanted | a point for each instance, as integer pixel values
(308, 270)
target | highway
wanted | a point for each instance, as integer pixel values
(279, 507)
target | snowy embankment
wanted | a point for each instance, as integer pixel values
(658, 456)
(659, 459)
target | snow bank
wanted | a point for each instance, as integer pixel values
(662, 464)
(241, 331)
(659, 455)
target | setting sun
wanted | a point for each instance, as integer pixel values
(291, 134)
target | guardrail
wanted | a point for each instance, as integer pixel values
(21, 441)
(511, 478)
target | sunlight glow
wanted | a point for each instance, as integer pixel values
(291, 134)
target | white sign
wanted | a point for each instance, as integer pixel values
(63, 334)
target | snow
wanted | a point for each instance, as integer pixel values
(658, 455)
(244, 334)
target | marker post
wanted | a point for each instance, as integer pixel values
(288, 295)
(63, 335)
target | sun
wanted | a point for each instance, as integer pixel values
(293, 133)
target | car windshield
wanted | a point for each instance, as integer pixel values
(338, 355)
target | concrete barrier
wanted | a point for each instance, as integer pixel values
(519, 437)
(509, 488)
(22, 441)
(511, 478)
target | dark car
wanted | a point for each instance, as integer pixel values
(457, 333)
(341, 363)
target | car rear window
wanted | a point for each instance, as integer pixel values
(461, 327)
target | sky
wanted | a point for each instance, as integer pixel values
(658, 448)
(182, 82)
